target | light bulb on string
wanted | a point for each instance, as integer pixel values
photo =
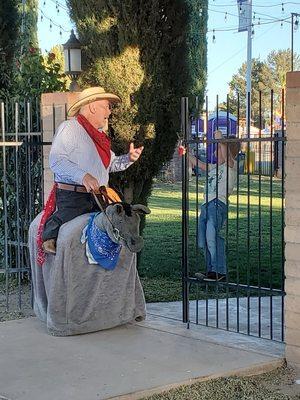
(281, 24)
(296, 24)
(44, 4)
(252, 30)
(258, 21)
(50, 26)
(225, 18)
(60, 31)
(42, 18)
(214, 37)
(254, 16)
(282, 8)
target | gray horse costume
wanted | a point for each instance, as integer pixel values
(72, 296)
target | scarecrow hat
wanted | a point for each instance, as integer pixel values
(89, 96)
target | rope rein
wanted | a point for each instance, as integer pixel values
(106, 199)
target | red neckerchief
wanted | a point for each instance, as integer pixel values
(100, 139)
(47, 212)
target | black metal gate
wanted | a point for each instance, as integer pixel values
(249, 298)
(21, 197)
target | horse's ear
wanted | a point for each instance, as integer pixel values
(118, 208)
(141, 209)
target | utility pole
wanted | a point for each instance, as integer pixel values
(249, 67)
(294, 26)
(245, 25)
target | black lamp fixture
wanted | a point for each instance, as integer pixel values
(72, 56)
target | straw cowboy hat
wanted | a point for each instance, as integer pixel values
(88, 96)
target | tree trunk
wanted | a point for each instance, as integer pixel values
(128, 193)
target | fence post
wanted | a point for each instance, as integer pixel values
(292, 221)
(185, 209)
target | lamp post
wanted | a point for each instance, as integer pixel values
(294, 26)
(72, 56)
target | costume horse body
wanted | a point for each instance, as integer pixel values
(73, 296)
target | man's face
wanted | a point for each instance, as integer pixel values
(102, 112)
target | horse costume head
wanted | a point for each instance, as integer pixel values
(121, 222)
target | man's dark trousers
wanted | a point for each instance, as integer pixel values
(69, 205)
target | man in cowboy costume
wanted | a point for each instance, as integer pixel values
(81, 160)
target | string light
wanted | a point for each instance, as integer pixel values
(270, 18)
(226, 14)
(252, 25)
(53, 23)
(282, 8)
(222, 12)
(60, 5)
(214, 37)
(262, 5)
(252, 30)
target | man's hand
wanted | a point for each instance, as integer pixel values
(134, 153)
(90, 183)
(181, 150)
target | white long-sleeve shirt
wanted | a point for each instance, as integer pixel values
(73, 154)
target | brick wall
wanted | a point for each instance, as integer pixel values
(292, 220)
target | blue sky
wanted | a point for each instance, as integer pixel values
(228, 52)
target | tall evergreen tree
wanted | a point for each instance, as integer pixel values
(29, 21)
(150, 53)
(9, 23)
(18, 36)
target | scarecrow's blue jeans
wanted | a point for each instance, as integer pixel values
(212, 218)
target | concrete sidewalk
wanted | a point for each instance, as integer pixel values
(127, 362)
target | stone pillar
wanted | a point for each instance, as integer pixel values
(54, 107)
(292, 220)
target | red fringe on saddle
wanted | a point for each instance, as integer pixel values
(47, 212)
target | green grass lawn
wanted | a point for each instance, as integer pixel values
(246, 232)
(278, 384)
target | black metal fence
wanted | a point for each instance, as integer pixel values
(21, 196)
(240, 234)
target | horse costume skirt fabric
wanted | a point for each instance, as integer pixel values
(72, 296)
